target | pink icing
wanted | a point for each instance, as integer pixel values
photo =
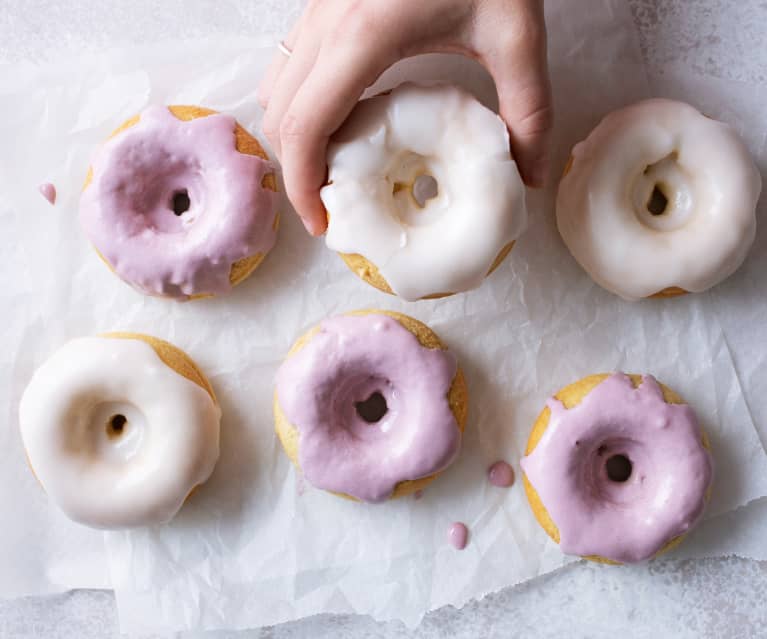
(48, 191)
(351, 358)
(500, 474)
(458, 535)
(663, 497)
(127, 210)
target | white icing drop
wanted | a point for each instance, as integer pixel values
(141, 474)
(703, 169)
(449, 244)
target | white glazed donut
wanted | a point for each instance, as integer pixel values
(659, 197)
(387, 143)
(116, 436)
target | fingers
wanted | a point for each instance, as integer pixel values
(279, 60)
(339, 49)
(519, 67)
(320, 106)
(292, 76)
(526, 108)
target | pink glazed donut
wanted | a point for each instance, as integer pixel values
(180, 202)
(370, 405)
(618, 468)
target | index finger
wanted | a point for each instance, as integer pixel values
(318, 109)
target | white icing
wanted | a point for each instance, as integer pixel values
(389, 140)
(168, 445)
(705, 171)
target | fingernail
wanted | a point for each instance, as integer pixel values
(311, 227)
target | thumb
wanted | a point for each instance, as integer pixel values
(520, 71)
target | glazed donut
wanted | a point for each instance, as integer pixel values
(370, 405)
(119, 429)
(659, 199)
(181, 202)
(617, 468)
(450, 237)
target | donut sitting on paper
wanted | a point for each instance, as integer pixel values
(119, 429)
(659, 201)
(180, 202)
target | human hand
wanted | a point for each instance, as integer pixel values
(340, 47)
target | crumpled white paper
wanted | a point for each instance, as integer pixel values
(255, 546)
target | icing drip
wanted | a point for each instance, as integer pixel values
(500, 474)
(173, 205)
(659, 196)
(458, 535)
(444, 237)
(48, 191)
(350, 359)
(573, 469)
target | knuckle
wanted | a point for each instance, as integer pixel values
(359, 22)
(530, 22)
(536, 121)
(291, 127)
(262, 96)
(525, 32)
(521, 42)
(363, 27)
(312, 9)
(270, 127)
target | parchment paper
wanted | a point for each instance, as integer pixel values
(255, 546)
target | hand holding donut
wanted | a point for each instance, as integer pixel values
(340, 47)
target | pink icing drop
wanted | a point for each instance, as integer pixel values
(349, 359)
(127, 210)
(663, 497)
(418, 494)
(48, 191)
(500, 474)
(458, 535)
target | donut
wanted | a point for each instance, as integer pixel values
(659, 200)
(617, 468)
(180, 202)
(423, 198)
(370, 405)
(119, 429)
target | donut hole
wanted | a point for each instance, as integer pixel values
(180, 202)
(658, 202)
(618, 468)
(113, 431)
(116, 426)
(424, 188)
(161, 191)
(373, 409)
(663, 194)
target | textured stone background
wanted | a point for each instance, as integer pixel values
(705, 598)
